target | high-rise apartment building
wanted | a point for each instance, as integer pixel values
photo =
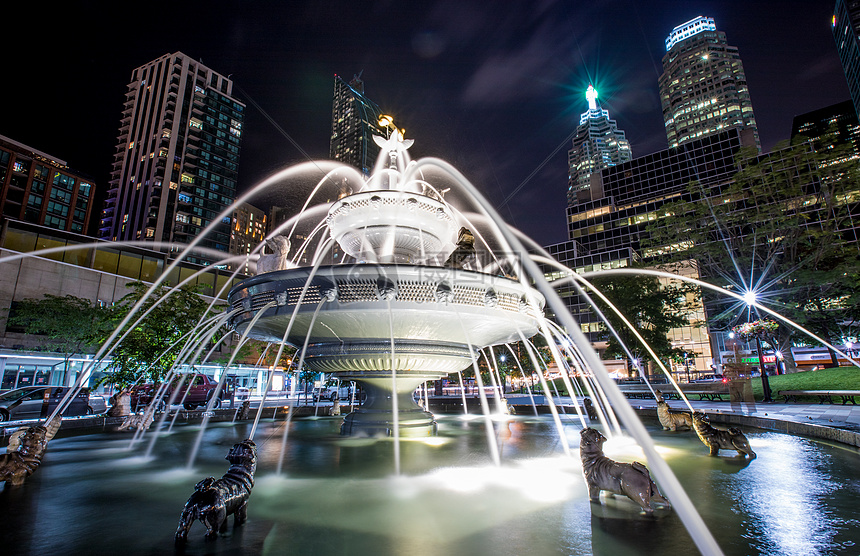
(249, 229)
(703, 88)
(354, 121)
(41, 189)
(846, 32)
(598, 144)
(177, 156)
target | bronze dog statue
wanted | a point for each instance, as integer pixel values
(589, 409)
(601, 473)
(721, 439)
(24, 453)
(214, 500)
(671, 420)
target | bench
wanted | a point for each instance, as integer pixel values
(642, 392)
(824, 396)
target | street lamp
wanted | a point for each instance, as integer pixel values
(750, 299)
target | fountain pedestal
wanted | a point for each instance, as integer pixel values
(376, 417)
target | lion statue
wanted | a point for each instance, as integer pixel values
(721, 439)
(213, 500)
(601, 473)
(671, 420)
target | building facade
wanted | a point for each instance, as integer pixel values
(832, 125)
(703, 88)
(354, 122)
(608, 228)
(597, 144)
(846, 33)
(41, 189)
(177, 157)
(248, 230)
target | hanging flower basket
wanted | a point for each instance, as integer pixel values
(761, 329)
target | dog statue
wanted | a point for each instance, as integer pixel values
(672, 421)
(464, 252)
(335, 408)
(120, 404)
(601, 473)
(140, 421)
(589, 409)
(214, 500)
(721, 439)
(244, 411)
(277, 260)
(24, 453)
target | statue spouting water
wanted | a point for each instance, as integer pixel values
(603, 474)
(25, 451)
(717, 439)
(672, 420)
(215, 500)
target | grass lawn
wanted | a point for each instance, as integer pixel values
(841, 378)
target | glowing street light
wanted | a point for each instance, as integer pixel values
(750, 299)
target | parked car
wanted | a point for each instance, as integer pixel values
(98, 403)
(199, 393)
(38, 402)
(345, 392)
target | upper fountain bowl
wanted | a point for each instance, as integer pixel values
(391, 226)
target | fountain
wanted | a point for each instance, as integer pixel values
(415, 303)
(388, 321)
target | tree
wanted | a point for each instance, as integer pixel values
(70, 325)
(139, 355)
(776, 229)
(651, 307)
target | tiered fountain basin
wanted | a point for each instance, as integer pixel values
(390, 327)
(363, 224)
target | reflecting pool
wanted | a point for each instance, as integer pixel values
(339, 495)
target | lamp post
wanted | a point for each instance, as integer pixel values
(765, 385)
(750, 299)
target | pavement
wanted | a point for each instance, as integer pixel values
(833, 422)
(836, 422)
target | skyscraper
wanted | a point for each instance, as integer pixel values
(598, 144)
(177, 156)
(703, 89)
(354, 120)
(846, 28)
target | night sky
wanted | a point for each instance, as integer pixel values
(495, 88)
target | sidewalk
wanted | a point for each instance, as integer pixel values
(840, 423)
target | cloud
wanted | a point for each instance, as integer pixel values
(521, 73)
(820, 67)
